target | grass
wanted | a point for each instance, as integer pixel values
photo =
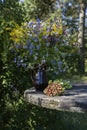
(47, 119)
(77, 79)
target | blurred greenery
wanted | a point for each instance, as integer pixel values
(20, 115)
(15, 113)
(38, 8)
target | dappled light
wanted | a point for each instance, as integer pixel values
(41, 33)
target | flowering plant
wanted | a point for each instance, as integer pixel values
(56, 87)
(36, 40)
(39, 41)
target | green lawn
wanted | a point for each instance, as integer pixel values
(77, 79)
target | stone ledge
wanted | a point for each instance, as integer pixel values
(73, 100)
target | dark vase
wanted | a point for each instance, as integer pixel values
(39, 78)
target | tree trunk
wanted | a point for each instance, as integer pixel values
(81, 62)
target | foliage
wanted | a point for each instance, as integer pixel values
(74, 10)
(19, 115)
(38, 8)
(9, 15)
(11, 11)
(16, 59)
(37, 41)
(44, 41)
(64, 83)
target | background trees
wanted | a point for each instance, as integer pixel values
(38, 8)
(11, 10)
(75, 12)
(10, 14)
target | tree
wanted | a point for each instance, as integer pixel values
(38, 8)
(81, 42)
(11, 10)
(10, 13)
(77, 8)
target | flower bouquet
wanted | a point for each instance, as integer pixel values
(57, 87)
(35, 43)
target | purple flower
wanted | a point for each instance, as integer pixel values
(38, 20)
(38, 47)
(60, 64)
(25, 47)
(30, 24)
(24, 65)
(15, 60)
